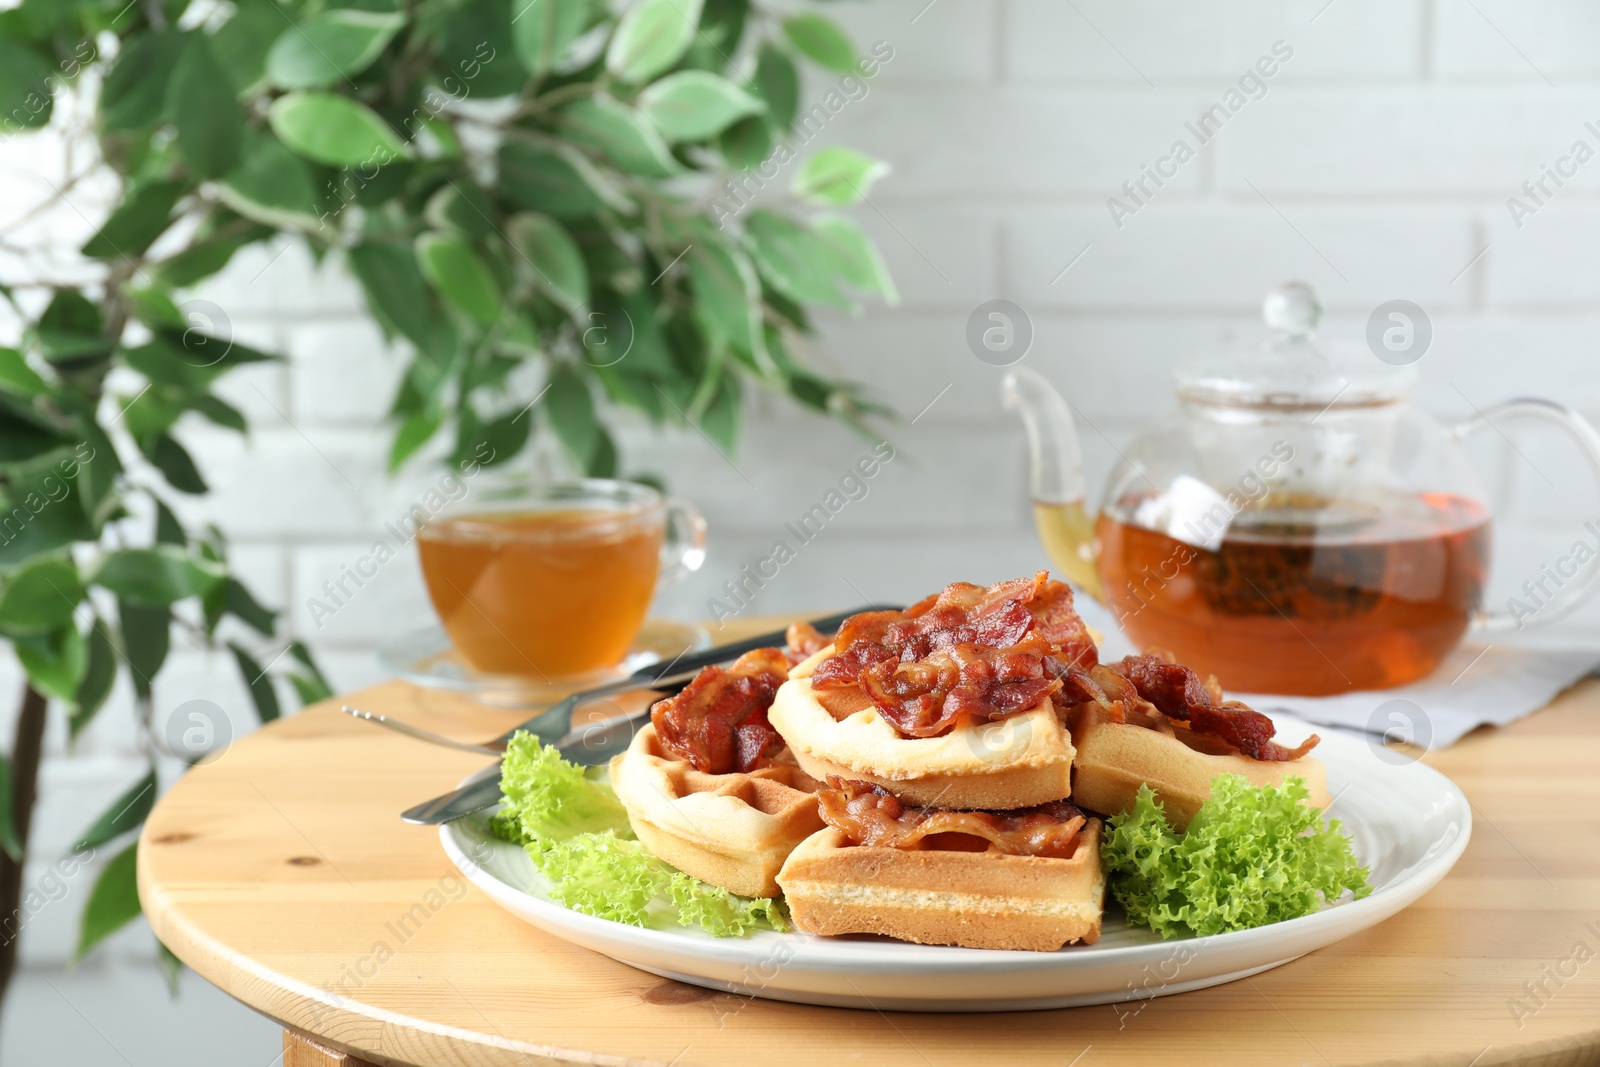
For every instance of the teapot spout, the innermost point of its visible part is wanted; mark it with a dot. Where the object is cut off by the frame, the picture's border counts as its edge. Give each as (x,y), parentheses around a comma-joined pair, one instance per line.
(1055,479)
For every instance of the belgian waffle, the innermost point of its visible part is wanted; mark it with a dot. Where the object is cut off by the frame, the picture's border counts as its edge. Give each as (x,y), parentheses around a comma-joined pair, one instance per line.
(1016,762)
(1115,759)
(732,830)
(935,897)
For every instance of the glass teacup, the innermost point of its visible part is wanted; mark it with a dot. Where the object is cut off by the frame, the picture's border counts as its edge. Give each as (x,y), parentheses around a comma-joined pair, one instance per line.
(553,581)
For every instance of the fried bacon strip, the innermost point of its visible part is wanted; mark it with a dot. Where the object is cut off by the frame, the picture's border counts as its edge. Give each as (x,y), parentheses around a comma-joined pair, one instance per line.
(1180,695)
(718,722)
(870,815)
(803,641)
(969,654)
(960,684)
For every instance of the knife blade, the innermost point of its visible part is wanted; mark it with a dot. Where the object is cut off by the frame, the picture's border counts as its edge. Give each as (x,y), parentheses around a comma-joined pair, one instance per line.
(597,743)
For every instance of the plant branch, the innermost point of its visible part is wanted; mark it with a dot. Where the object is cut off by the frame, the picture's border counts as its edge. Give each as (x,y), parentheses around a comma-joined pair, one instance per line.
(24,781)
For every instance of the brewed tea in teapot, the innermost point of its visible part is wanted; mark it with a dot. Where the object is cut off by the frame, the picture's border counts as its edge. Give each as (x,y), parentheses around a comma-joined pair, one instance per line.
(1298,528)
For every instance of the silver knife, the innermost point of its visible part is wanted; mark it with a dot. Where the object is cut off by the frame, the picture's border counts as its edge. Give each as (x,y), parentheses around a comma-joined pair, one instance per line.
(597,743)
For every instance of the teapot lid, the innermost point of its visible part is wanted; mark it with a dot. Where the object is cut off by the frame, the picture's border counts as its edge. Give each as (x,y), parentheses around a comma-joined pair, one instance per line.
(1289,371)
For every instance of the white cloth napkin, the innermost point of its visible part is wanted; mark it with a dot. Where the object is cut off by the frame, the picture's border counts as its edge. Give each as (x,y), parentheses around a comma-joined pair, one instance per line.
(1477,684)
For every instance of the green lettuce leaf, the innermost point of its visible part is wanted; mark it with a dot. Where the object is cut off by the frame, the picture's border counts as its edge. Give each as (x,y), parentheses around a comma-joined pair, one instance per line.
(576,832)
(1251,856)
(553,798)
(721,912)
(603,874)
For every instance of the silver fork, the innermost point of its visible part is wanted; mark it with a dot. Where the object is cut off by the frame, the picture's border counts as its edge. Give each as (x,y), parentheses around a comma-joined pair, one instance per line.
(422,735)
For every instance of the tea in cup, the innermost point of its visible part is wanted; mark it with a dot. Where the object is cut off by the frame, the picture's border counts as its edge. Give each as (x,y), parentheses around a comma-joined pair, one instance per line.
(553,581)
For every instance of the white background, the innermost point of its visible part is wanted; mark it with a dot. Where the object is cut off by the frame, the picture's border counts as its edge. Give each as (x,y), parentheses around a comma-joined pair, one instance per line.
(1377,166)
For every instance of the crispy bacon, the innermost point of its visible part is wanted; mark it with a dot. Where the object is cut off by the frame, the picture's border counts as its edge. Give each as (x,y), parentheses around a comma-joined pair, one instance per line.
(718,722)
(1178,693)
(967,654)
(867,814)
(963,684)
(803,641)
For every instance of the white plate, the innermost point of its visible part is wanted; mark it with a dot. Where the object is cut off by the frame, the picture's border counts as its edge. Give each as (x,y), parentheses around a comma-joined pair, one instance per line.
(426,657)
(1409,824)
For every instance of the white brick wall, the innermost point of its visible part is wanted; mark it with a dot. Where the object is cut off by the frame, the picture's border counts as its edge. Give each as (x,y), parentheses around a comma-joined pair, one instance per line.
(1376,165)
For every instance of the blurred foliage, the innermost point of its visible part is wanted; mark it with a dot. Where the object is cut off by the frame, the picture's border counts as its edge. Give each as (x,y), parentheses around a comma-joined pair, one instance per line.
(547,199)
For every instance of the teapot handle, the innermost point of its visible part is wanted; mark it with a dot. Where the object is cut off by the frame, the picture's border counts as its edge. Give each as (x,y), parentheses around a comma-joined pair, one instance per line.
(1582,584)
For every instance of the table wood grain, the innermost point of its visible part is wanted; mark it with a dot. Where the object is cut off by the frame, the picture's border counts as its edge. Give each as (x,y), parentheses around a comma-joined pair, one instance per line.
(281,872)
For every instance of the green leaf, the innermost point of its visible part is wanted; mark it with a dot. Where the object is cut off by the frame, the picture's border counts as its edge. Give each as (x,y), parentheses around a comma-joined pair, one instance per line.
(396,291)
(457,274)
(571,412)
(27,87)
(822,42)
(126,813)
(476,48)
(8,825)
(153,306)
(747,143)
(505,437)
(272,186)
(210,123)
(175,464)
(188,359)
(558,269)
(155,577)
(145,212)
(262,694)
(55,662)
(98,676)
(146,637)
(727,294)
(651,37)
(135,92)
(838,175)
(222,413)
(722,25)
(855,258)
(114,901)
(241,45)
(603,460)
(309,683)
(239,602)
(331,48)
(693,105)
(794,260)
(40,595)
(205,257)
(721,418)
(542,30)
(70,328)
(621,133)
(17,376)
(415,432)
(335,130)
(537,178)
(42,511)
(777,82)
(461,206)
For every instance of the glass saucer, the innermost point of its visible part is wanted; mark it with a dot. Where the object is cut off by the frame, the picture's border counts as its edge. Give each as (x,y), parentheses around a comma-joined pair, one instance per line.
(426,657)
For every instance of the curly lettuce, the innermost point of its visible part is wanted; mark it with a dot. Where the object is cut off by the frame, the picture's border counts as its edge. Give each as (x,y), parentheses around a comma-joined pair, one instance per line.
(551,797)
(1252,855)
(576,832)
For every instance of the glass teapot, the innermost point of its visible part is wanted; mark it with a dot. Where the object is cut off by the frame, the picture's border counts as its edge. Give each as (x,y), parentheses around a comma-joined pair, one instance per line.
(1299,527)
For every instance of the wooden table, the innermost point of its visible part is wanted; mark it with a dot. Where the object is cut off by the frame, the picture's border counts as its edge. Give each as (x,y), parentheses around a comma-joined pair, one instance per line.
(281,871)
